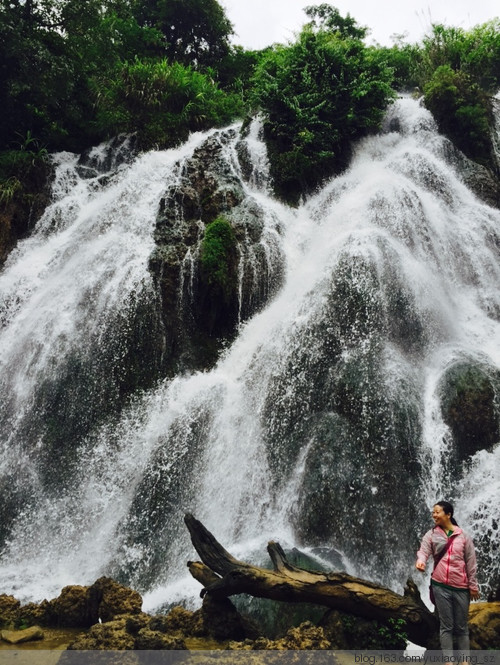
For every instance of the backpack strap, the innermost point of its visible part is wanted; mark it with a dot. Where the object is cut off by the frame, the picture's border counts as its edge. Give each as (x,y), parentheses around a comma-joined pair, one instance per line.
(438,557)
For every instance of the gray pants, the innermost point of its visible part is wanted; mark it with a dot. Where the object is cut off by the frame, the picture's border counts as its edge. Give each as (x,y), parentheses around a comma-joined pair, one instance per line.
(453,610)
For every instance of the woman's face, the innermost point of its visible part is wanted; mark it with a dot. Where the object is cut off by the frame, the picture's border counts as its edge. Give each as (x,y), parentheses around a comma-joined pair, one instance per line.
(439,516)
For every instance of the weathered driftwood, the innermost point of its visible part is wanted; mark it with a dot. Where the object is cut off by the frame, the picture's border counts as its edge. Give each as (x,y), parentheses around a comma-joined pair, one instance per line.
(222,575)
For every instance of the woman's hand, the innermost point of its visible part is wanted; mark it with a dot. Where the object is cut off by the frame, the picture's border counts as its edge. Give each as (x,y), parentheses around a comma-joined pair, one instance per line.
(474,595)
(420,565)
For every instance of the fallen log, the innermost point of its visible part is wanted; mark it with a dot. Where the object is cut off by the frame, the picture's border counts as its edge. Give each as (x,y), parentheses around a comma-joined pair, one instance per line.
(222,575)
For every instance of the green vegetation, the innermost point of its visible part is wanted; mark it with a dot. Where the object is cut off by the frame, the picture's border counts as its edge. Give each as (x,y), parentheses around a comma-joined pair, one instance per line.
(393,634)
(21,171)
(75,72)
(458,71)
(194,31)
(66,63)
(163,102)
(461,110)
(366,634)
(318,94)
(218,249)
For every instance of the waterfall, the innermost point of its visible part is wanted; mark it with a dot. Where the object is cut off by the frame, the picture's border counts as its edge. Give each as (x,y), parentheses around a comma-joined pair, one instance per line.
(334,418)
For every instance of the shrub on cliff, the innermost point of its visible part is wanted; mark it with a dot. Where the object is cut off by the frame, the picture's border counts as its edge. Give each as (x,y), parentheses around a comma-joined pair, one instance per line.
(163,102)
(474,52)
(462,111)
(458,70)
(318,94)
(217,255)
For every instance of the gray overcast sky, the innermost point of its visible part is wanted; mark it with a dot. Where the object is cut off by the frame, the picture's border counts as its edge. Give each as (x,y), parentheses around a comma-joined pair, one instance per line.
(260,23)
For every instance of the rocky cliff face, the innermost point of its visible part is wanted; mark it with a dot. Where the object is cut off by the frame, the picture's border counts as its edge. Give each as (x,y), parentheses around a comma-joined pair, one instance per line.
(198,314)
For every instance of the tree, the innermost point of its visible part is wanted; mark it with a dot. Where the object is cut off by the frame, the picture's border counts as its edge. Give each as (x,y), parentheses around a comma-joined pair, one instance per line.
(196,31)
(462,111)
(37,78)
(458,71)
(49,53)
(318,94)
(326,17)
(222,575)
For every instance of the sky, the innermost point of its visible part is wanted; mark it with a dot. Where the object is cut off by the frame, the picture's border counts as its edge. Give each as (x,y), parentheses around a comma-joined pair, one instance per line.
(260,23)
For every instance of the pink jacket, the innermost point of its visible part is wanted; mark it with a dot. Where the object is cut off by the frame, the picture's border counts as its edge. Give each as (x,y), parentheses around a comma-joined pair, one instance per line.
(457,567)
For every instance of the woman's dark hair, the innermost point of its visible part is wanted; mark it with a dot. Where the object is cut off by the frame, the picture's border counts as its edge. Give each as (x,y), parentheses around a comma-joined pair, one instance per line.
(448,509)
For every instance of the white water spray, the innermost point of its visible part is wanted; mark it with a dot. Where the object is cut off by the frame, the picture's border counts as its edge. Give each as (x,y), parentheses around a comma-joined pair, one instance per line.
(402,230)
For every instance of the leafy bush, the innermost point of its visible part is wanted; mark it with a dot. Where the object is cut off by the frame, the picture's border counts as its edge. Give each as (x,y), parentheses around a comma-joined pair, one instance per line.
(196,32)
(372,634)
(393,634)
(462,111)
(483,55)
(318,94)
(162,102)
(475,52)
(49,51)
(403,60)
(217,257)
(235,71)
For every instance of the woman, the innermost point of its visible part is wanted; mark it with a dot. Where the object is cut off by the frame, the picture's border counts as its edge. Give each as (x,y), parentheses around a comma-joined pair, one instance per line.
(453,580)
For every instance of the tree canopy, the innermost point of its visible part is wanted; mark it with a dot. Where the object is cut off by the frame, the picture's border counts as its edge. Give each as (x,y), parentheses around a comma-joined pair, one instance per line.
(318,94)
(195,31)
(75,72)
(327,17)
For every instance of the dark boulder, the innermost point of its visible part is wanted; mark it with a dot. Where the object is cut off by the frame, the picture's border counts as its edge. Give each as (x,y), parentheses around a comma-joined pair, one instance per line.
(469,407)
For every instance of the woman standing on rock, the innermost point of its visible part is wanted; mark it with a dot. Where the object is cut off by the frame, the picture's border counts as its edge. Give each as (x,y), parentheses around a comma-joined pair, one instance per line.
(453,580)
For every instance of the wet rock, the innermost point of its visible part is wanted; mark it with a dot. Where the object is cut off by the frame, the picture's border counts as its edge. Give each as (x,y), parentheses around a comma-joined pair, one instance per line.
(331,556)
(107,157)
(36,613)
(9,610)
(76,606)
(468,407)
(306,637)
(197,315)
(19,214)
(70,608)
(180,621)
(480,179)
(105,636)
(79,606)
(484,625)
(109,599)
(222,621)
(19,636)
(136,622)
(334,628)
(154,639)
(351,430)
(494,595)
(128,632)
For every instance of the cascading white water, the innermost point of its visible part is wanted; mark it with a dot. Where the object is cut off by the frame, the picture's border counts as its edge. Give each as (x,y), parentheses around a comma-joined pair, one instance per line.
(392,278)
